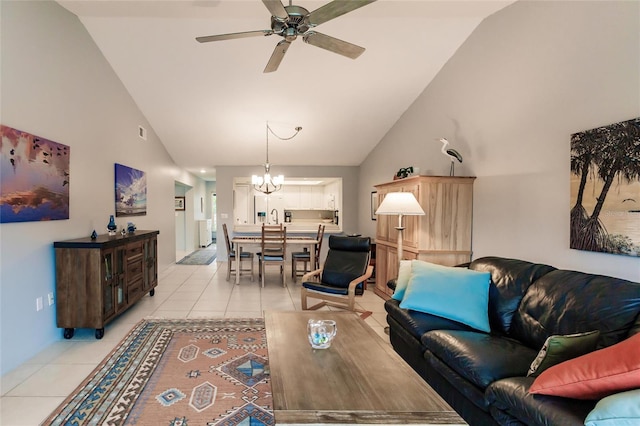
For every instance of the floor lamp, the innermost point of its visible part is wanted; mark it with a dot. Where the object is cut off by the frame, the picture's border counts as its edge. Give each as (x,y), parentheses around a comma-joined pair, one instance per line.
(401,204)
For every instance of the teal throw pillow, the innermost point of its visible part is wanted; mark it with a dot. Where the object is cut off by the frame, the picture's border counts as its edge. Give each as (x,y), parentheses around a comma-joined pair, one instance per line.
(458,294)
(557,349)
(619,409)
(404,274)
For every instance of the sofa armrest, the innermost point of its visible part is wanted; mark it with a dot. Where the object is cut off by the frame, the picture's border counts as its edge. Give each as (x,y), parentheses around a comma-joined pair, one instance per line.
(392,283)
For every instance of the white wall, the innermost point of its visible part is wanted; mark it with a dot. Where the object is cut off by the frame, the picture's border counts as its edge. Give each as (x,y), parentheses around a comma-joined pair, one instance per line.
(56,84)
(508,100)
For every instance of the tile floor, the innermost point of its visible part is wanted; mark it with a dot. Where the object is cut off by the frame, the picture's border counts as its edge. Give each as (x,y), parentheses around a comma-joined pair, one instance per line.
(33,390)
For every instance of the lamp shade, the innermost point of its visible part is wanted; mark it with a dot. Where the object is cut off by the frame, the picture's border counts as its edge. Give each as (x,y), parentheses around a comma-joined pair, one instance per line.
(403,203)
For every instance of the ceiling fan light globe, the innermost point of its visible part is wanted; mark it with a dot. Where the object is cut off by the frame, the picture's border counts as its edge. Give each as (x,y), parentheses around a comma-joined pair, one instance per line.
(290,34)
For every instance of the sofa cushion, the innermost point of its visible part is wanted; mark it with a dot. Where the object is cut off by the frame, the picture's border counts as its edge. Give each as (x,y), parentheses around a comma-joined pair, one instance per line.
(594,375)
(620,409)
(510,279)
(567,302)
(455,293)
(404,273)
(557,349)
(510,395)
(418,323)
(478,357)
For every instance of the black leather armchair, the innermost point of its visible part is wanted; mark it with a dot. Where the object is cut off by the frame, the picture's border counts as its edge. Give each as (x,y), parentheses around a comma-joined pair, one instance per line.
(343,275)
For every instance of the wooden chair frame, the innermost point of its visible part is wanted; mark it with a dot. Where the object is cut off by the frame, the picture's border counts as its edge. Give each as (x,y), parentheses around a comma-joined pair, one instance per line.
(274,242)
(232,255)
(305,261)
(347,302)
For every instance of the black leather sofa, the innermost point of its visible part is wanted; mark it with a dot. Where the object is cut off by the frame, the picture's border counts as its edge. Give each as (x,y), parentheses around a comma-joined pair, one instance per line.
(483,376)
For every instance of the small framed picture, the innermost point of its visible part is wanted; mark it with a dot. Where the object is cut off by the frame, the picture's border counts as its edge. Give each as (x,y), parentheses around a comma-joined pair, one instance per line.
(179,203)
(374,204)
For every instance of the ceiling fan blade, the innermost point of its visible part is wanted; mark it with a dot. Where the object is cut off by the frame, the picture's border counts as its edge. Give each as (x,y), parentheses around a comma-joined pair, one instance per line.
(277,9)
(333,10)
(333,44)
(231,36)
(276,56)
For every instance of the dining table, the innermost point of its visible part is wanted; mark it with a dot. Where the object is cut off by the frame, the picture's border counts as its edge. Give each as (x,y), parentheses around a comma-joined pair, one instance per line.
(241,242)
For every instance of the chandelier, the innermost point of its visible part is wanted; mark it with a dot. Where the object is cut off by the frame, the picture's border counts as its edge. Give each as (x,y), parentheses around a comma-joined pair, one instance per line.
(268,184)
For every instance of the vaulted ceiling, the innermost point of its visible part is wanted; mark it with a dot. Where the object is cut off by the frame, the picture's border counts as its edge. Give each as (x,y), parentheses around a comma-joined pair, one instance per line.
(209,102)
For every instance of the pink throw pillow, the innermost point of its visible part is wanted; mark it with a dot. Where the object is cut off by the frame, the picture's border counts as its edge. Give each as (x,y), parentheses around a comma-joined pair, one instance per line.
(594,375)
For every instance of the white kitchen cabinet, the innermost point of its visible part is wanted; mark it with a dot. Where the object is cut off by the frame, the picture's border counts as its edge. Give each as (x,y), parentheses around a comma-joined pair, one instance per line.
(317,197)
(311,198)
(291,194)
(305,198)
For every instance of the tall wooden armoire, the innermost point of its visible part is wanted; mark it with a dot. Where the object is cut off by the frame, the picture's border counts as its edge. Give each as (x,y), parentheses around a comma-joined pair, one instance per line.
(442,235)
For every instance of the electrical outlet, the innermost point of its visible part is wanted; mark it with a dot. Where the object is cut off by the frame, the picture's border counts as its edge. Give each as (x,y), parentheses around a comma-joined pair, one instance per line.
(39,304)
(50,296)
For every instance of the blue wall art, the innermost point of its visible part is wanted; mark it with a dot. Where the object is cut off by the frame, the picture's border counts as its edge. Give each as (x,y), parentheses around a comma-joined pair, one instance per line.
(34,177)
(131,191)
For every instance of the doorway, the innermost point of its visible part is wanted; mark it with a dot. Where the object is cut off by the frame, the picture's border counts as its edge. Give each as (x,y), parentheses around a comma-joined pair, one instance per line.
(214,216)
(181,222)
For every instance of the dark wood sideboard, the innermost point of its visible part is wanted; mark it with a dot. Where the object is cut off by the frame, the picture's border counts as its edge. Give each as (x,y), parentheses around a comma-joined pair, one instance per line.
(96,280)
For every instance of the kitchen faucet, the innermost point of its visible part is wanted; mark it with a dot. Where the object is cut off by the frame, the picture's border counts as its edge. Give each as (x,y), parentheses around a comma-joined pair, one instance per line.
(276,212)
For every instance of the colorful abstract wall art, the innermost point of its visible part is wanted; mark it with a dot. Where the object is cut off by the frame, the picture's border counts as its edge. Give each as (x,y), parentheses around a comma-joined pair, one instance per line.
(605,189)
(131,191)
(34,177)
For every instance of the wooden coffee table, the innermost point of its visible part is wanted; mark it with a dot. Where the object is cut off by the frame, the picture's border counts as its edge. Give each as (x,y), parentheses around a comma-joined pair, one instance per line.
(359,379)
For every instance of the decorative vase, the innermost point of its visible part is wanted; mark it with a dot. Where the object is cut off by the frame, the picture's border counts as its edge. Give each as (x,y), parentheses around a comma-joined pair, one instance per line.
(94,235)
(321,333)
(112,227)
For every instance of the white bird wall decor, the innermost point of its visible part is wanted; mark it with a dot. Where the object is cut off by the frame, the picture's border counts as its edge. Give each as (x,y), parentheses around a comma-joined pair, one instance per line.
(451,153)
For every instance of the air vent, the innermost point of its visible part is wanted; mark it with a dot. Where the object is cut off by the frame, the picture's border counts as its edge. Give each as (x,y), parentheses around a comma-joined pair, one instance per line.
(142,133)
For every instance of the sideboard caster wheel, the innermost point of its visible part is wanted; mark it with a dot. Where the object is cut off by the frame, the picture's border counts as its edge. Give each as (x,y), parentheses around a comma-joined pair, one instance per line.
(152,292)
(68,333)
(99,333)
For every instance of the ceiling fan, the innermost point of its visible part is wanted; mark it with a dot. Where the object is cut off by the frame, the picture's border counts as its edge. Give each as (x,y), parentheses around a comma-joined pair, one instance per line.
(292,21)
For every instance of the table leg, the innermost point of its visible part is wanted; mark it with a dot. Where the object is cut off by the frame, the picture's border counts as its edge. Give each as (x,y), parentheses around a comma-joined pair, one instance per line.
(312,257)
(238,264)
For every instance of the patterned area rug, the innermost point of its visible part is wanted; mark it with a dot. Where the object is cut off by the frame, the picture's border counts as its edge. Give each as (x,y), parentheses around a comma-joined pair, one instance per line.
(183,372)
(199,257)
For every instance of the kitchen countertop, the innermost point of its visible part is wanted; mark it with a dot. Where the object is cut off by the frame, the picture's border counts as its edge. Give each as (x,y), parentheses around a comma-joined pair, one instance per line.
(292,227)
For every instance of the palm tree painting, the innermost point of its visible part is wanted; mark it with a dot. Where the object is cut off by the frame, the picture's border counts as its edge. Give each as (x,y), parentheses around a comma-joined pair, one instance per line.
(605,189)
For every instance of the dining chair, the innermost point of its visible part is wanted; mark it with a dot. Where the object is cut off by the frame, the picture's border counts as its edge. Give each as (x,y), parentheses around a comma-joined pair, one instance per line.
(305,257)
(273,250)
(233,256)
(342,276)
